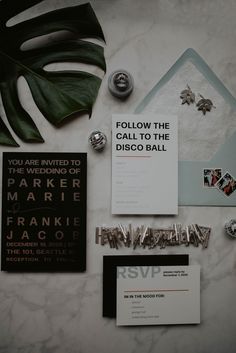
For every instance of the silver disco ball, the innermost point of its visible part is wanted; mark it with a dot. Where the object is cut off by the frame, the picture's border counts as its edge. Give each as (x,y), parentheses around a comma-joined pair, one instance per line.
(230,228)
(97,140)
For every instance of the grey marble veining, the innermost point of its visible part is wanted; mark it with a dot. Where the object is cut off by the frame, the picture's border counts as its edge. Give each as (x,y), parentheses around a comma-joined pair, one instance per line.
(62,313)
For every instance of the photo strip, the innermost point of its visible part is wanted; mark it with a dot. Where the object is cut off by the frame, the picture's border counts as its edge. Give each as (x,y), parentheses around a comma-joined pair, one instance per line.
(227,184)
(211,176)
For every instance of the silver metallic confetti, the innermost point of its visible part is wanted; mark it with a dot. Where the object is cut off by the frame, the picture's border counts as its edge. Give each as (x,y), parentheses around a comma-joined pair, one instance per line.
(142,236)
(205,105)
(187,96)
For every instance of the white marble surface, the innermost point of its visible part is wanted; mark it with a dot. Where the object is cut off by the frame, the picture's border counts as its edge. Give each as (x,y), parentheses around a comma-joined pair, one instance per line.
(62,313)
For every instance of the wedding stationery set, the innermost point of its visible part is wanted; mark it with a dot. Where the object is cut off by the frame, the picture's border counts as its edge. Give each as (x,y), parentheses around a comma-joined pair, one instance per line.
(176,149)
(189,160)
(151,290)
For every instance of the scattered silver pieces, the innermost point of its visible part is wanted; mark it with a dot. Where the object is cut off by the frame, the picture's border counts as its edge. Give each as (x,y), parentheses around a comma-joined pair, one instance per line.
(97,140)
(230,228)
(187,96)
(205,105)
(120,84)
(147,237)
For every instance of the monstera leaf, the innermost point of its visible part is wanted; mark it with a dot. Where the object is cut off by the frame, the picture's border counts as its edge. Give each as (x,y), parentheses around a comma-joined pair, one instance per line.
(57,94)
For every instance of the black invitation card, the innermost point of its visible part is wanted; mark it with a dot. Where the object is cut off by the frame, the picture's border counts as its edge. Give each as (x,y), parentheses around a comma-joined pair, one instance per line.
(44,212)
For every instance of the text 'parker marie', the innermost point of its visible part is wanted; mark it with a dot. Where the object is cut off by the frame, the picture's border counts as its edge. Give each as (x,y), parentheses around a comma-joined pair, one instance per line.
(48,183)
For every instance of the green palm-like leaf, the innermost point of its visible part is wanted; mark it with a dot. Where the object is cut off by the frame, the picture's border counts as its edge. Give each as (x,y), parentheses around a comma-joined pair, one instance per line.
(57,94)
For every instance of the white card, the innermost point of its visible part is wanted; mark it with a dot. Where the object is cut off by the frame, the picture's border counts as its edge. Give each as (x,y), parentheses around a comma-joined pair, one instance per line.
(144,164)
(158,295)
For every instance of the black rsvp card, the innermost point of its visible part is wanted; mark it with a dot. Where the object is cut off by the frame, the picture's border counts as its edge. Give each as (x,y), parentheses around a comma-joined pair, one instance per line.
(110,264)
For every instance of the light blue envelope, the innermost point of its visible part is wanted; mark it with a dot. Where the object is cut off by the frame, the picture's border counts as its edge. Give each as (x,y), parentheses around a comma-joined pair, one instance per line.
(206,142)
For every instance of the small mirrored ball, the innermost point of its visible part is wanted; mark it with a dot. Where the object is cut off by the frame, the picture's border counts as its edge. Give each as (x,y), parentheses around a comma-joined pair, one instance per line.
(97,140)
